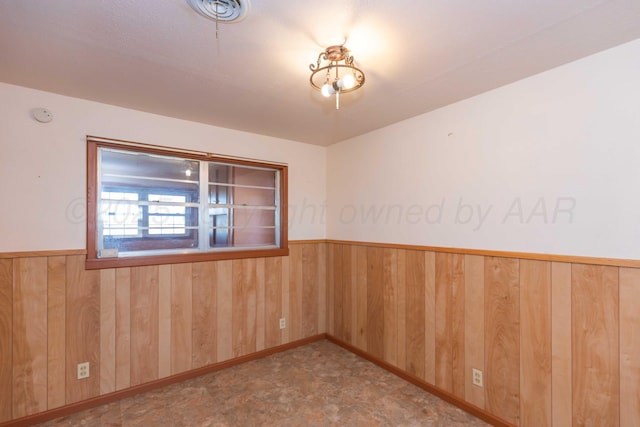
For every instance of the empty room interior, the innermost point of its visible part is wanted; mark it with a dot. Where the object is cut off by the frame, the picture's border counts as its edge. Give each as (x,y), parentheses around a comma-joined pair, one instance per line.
(440,190)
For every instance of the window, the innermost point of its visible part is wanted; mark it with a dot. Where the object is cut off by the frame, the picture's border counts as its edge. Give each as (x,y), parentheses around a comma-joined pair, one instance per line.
(149,206)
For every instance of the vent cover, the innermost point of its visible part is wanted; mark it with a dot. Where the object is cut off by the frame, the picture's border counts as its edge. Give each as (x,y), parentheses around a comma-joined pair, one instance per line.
(221,10)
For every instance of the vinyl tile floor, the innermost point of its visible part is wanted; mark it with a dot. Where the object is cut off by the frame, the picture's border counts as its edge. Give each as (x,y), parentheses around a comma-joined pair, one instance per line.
(319,384)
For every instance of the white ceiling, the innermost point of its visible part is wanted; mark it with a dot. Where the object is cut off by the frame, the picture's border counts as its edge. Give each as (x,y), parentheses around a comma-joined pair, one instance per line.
(162,57)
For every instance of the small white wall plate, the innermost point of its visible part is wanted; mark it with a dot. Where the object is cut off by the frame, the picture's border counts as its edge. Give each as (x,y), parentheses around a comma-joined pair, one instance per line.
(42,115)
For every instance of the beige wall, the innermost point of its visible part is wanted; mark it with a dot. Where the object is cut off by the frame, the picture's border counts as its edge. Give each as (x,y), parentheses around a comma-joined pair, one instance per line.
(42,166)
(490,172)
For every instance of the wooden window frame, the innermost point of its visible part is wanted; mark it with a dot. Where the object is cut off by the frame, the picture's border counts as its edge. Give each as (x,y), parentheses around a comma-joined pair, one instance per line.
(95,262)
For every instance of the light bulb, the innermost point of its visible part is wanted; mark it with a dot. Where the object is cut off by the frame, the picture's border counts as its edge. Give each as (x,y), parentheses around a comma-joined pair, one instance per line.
(348,81)
(187,172)
(327,90)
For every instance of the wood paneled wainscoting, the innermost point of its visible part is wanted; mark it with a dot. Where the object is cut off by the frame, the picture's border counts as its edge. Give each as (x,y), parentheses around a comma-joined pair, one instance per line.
(557,338)
(138,325)
(558,341)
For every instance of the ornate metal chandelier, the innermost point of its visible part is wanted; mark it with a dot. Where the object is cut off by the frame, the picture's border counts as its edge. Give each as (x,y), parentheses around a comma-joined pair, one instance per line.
(335,73)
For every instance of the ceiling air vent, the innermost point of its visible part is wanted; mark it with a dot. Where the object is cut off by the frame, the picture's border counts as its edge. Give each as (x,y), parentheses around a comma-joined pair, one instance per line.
(221,10)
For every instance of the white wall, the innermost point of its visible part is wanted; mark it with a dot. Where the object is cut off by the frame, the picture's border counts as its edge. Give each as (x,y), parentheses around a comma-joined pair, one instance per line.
(490,172)
(43,166)
(549,164)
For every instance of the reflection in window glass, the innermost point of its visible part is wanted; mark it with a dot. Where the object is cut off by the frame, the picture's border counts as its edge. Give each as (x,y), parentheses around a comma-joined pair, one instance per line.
(119,216)
(166,219)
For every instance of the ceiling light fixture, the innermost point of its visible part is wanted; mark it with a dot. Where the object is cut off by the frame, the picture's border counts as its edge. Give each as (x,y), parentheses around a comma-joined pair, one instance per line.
(335,73)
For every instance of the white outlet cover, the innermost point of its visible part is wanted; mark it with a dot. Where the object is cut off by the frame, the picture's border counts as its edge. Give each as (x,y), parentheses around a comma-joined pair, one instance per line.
(477,378)
(83,370)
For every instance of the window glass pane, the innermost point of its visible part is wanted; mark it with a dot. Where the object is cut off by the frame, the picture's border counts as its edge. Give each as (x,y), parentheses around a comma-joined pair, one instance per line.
(220,232)
(247,200)
(220,173)
(161,232)
(119,216)
(250,217)
(149,171)
(166,218)
(254,177)
(254,237)
(254,197)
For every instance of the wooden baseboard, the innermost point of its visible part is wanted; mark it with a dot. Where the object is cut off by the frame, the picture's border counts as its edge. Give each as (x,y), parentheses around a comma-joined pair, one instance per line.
(448,397)
(131,391)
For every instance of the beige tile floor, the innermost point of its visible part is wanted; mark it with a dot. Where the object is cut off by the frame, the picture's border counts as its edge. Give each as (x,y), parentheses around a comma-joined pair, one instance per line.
(319,384)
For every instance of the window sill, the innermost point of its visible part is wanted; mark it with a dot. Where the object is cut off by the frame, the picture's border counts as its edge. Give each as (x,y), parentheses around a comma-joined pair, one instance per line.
(100,263)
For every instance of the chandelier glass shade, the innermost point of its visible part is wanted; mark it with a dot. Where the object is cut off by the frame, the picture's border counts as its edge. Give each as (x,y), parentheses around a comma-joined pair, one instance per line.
(335,73)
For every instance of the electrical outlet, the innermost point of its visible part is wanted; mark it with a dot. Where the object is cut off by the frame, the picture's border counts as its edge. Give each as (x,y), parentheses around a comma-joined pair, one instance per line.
(83,370)
(477,377)
(283,323)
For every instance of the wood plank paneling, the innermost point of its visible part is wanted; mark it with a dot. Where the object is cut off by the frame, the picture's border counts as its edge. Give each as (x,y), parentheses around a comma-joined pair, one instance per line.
(345,294)
(294,322)
(596,358)
(244,307)
(128,323)
(415,312)
(82,329)
(6,338)
(273,301)
(390,304)
(561,381)
(224,310)
(204,314)
(401,309)
(164,320)
(310,286)
(576,259)
(144,324)
(284,333)
(259,285)
(322,287)
(331,283)
(360,285)
(430,317)
(353,297)
(56,309)
(123,328)
(502,338)
(107,331)
(629,347)
(117,314)
(535,343)
(473,326)
(337,264)
(450,323)
(375,302)
(29,336)
(181,318)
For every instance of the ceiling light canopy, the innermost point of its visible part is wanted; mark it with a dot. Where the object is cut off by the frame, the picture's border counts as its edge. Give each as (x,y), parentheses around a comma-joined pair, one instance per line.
(221,10)
(335,73)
